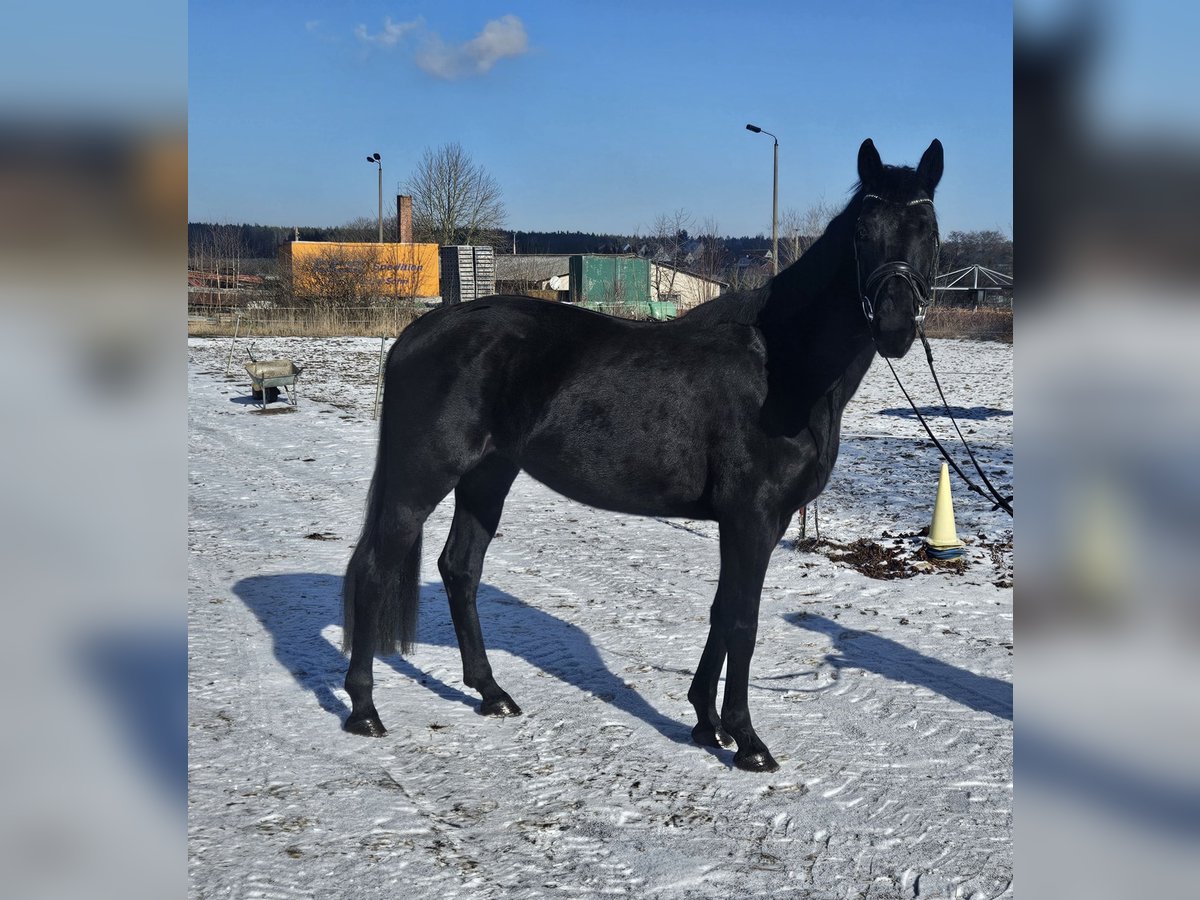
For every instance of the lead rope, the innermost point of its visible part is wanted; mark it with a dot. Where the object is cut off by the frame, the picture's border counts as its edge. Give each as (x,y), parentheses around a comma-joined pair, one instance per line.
(1001,502)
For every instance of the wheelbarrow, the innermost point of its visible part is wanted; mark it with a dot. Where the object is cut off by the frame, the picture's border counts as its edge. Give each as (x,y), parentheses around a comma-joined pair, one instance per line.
(269,375)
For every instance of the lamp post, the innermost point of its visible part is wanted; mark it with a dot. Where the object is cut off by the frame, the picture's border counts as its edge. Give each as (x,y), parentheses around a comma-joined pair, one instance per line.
(774,202)
(375,158)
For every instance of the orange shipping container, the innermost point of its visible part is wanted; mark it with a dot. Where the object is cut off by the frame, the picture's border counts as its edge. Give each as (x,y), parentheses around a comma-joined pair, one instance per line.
(384,270)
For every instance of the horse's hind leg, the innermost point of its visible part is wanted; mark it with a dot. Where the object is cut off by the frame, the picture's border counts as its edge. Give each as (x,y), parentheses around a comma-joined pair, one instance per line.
(382,590)
(478,502)
(703,692)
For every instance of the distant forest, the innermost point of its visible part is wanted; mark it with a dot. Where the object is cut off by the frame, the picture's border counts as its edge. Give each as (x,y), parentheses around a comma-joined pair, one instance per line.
(260,242)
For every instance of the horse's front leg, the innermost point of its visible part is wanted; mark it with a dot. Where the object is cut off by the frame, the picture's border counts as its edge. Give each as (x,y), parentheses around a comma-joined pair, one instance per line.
(745,551)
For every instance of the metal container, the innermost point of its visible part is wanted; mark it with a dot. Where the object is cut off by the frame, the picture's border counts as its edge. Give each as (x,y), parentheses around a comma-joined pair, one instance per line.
(468,273)
(610,282)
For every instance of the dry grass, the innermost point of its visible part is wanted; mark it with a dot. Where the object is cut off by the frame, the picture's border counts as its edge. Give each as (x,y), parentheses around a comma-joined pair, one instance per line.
(942,322)
(300,322)
(970,324)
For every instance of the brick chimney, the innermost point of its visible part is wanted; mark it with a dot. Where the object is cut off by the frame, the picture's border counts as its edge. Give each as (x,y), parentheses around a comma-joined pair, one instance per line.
(404,218)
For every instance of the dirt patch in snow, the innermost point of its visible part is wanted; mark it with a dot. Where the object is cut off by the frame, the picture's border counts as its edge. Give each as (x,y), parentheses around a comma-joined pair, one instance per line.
(866,556)
(886,562)
(322,536)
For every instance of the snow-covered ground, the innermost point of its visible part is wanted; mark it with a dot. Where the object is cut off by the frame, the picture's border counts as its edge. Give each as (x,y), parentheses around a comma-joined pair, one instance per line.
(888,704)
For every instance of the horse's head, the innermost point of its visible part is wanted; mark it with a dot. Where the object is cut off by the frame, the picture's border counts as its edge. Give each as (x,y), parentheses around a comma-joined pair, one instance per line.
(896,245)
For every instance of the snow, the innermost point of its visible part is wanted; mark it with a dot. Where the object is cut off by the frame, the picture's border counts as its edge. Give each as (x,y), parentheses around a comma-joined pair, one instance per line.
(888,704)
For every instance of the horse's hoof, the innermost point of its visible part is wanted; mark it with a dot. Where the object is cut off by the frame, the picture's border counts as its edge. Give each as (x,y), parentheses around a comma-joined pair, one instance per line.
(758,761)
(366,725)
(707,736)
(500,708)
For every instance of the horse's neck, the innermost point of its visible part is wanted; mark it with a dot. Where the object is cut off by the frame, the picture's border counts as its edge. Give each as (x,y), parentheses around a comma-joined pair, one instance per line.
(818,342)
(833,357)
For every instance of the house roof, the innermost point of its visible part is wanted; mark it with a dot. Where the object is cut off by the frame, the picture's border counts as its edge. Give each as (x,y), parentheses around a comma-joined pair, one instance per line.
(690,272)
(531,266)
(974,278)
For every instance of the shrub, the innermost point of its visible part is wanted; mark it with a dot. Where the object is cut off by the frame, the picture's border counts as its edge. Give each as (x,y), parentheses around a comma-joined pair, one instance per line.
(970,324)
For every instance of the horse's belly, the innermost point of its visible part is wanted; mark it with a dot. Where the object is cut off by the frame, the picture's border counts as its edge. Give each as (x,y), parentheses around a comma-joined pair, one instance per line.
(635,436)
(619,480)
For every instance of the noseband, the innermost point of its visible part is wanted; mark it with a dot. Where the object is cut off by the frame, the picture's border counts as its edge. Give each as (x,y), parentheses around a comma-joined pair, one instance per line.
(896,268)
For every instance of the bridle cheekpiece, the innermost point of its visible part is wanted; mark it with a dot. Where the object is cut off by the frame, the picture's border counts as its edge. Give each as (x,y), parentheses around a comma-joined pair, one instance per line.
(919,284)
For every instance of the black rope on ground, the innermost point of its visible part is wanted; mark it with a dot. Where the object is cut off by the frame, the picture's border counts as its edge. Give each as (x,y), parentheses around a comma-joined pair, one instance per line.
(1000,502)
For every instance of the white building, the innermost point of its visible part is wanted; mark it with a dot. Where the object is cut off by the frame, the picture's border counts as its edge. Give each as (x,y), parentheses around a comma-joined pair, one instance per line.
(685,289)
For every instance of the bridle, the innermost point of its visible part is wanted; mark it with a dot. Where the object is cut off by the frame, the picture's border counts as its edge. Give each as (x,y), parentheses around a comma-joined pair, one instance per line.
(920,285)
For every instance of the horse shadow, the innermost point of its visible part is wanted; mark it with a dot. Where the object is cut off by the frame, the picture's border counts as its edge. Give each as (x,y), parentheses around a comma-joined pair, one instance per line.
(892,660)
(296,608)
(143,675)
(977,413)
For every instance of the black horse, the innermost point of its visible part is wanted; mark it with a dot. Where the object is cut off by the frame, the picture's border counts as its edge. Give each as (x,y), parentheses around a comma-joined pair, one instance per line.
(730,413)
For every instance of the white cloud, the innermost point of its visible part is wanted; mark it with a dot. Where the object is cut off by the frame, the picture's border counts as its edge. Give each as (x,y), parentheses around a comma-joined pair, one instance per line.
(499,39)
(393,32)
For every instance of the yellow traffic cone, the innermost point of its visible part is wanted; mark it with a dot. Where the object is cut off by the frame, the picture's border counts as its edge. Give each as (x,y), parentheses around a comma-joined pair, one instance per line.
(943,539)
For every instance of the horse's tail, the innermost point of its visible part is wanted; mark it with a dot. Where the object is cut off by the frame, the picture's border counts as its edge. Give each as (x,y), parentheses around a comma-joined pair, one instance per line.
(383,579)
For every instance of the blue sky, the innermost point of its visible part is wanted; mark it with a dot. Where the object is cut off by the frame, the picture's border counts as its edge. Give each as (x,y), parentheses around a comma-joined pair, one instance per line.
(595,116)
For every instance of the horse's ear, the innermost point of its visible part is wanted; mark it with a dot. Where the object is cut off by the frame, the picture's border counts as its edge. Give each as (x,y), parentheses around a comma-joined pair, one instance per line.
(869,163)
(929,169)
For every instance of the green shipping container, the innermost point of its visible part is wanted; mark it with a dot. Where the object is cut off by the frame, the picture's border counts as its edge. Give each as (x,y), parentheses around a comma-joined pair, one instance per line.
(610,282)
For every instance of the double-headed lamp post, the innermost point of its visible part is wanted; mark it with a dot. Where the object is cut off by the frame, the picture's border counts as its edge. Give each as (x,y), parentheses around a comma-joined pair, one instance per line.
(774,202)
(375,158)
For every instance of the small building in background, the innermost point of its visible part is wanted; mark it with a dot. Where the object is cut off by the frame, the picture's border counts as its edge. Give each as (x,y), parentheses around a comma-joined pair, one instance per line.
(681,287)
(541,275)
(609,282)
(620,284)
(385,271)
(351,273)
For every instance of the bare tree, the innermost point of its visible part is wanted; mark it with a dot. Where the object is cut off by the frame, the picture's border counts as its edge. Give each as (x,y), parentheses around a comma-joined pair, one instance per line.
(339,278)
(799,230)
(668,236)
(711,258)
(200,251)
(359,230)
(218,259)
(406,280)
(280,283)
(749,277)
(455,201)
(985,248)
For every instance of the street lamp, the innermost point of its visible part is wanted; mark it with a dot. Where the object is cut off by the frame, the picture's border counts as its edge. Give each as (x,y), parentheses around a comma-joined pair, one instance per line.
(774,202)
(375,158)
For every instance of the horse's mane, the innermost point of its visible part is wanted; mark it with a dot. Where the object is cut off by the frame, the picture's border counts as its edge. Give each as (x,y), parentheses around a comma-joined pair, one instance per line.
(808,277)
